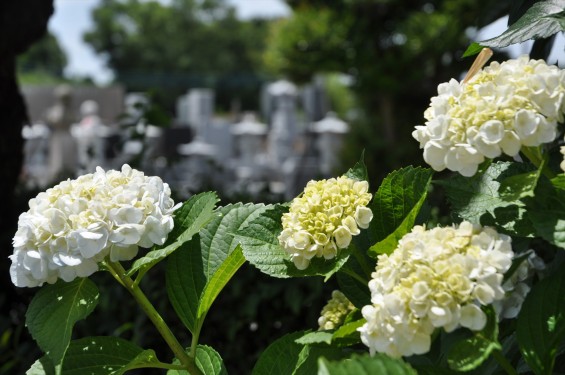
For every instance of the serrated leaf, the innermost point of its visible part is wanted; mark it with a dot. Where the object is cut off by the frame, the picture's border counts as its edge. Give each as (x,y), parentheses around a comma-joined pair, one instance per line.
(200,268)
(470,353)
(541,323)
(105,355)
(398,202)
(473,49)
(43,366)
(286,356)
(316,337)
(185,281)
(559,182)
(548,218)
(365,365)
(261,248)
(519,186)
(219,280)
(53,312)
(399,192)
(308,363)
(207,360)
(189,219)
(281,357)
(359,170)
(477,199)
(347,334)
(541,20)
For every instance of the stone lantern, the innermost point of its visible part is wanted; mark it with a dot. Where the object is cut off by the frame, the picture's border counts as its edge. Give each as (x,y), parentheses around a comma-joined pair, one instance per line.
(330,133)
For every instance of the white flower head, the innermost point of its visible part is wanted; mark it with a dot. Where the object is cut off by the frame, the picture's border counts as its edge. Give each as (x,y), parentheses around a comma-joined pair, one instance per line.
(436,278)
(71,227)
(502,108)
(324,219)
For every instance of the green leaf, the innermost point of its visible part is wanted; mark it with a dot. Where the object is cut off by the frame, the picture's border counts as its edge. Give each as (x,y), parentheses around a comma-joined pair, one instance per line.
(316,337)
(219,280)
(347,334)
(519,186)
(395,199)
(105,356)
(286,356)
(189,219)
(396,206)
(281,357)
(365,365)
(550,223)
(473,49)
(542,20)
(43,366)
(200,268)
(53,312)
(541,323)
(261,248)
(477,199)
(559,182)
(470,353)
(359,170)
(207,360)
(185,281)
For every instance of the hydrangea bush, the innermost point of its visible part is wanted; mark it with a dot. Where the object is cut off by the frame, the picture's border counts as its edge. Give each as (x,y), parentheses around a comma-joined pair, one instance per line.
(484,294)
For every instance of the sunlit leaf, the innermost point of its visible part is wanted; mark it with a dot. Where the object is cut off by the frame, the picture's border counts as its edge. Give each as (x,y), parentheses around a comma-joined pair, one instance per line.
(189,219)
(53,312)
(542,20)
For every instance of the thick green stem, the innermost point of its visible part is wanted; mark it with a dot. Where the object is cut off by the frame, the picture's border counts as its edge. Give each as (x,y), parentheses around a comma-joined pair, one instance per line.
(503,362)
(354,275)
(534,155)
(195,337)
(119,272)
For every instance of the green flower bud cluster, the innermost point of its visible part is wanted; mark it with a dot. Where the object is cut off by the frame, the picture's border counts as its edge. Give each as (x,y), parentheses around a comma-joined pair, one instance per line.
(335,311)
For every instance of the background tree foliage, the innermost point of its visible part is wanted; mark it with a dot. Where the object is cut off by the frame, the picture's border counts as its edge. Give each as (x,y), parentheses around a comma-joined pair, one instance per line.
(397,51)
(43,62)
(167,48)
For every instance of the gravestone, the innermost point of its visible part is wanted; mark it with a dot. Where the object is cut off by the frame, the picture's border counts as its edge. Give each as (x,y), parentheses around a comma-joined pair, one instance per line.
(330,133)
(62,145)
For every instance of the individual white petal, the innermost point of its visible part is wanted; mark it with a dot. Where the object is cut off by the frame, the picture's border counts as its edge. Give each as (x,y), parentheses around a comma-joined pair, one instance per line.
(472,317)
(122,253)
(363,216)
(510,143)
(434,155)
(342,237)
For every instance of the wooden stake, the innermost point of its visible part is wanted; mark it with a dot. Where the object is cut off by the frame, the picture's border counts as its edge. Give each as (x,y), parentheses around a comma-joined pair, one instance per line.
(480,61)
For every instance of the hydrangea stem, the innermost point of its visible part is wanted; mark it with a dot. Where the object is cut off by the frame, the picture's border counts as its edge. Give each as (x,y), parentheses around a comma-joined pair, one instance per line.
(503,362)
(118,271)
(534,155)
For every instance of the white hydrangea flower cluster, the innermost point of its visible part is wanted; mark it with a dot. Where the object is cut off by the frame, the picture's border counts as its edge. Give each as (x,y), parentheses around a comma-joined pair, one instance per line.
(435,278)
(502,108)
(324,218)
(517,287)
(71,227)
(335,311)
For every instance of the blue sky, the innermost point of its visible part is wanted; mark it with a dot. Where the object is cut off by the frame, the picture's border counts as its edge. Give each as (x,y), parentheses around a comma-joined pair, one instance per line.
(72,18)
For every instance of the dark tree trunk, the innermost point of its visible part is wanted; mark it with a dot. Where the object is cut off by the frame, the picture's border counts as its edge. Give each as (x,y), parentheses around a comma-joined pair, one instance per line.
(22,22)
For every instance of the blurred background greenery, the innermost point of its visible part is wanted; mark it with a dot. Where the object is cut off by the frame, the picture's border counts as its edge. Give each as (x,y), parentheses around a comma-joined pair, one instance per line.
(381,61)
